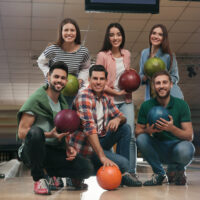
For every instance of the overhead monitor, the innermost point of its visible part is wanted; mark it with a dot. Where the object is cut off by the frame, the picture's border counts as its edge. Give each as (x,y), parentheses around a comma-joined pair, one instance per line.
(126,6)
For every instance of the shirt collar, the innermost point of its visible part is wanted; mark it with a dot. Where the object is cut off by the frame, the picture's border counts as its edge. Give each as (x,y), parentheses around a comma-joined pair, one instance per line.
(169,105)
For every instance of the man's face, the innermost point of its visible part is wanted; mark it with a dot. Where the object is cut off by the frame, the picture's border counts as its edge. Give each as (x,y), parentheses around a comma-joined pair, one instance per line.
(57,80)
(97,81)
(162,86)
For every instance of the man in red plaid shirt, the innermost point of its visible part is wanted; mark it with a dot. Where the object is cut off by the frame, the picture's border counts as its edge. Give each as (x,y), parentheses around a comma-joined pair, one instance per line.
(103,125)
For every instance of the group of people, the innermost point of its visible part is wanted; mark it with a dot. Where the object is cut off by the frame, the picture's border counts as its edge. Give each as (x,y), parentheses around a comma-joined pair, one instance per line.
(106,113)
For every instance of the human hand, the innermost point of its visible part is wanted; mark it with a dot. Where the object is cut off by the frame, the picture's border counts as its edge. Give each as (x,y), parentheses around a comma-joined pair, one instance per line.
(107,162)
(151,129)
(121,92)
(71,153)
(54,134)
(113,124)
(165,125)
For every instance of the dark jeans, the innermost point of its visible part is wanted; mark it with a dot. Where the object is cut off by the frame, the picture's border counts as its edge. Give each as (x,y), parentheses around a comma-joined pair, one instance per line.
(39,156)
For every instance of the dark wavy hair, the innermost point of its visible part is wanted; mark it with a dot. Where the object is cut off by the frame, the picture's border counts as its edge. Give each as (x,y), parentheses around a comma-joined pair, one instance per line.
(165,43)
(106,44)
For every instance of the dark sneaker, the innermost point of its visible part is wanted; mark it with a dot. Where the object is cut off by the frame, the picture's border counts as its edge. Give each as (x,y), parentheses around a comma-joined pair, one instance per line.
(55,183)
(130,180)
(42,187)
(77,184)
(157,179)
(180,178)
(171,176)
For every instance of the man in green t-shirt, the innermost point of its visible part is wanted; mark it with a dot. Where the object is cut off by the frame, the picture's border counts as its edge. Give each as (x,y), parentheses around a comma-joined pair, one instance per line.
(44,150)
(166,142)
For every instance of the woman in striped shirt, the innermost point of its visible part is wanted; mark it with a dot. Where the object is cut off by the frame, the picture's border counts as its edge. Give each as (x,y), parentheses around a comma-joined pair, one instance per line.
(68,49)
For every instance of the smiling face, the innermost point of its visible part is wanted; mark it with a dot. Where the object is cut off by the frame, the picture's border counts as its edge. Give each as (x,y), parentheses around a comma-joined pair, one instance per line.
(97,82)
(162,86)
(57,80)
(156,37)
(115,37)
(69,33)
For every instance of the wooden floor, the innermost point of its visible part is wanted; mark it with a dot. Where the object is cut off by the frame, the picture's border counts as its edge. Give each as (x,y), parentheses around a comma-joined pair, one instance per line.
(19,188)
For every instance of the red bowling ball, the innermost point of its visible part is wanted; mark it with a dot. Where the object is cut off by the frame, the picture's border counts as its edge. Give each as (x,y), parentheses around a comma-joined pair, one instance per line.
(67,120)
(129,81)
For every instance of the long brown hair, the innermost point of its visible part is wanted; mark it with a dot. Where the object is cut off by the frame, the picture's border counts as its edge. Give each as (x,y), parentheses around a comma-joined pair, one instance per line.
(60,39)
(165,43)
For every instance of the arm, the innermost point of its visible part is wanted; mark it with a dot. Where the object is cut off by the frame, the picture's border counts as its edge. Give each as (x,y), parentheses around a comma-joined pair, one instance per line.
(143,128)
(43,64)
(94,141)
(184,133)
(143,59)
(26,123)
(174,71)
(84,69)
(114,123)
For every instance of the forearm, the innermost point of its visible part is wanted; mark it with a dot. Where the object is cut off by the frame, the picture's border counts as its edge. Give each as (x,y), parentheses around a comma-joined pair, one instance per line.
(94,142)
(182,134)
(43,64)
(111,91)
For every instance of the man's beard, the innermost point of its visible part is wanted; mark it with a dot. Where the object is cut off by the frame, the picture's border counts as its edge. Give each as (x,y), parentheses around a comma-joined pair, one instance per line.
(163,97)
(54,88)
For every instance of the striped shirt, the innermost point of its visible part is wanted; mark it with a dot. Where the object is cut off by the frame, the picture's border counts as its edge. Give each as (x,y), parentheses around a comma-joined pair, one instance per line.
(78,62)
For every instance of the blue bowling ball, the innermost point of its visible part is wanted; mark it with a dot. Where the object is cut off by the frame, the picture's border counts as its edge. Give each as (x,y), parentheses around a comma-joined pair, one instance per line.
(156,113)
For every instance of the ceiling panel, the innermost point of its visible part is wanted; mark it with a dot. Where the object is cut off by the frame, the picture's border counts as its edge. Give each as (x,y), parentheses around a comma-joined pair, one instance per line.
(168,13)
(45,23)
(185,26)
(47,10)
(151,23)
(191,14)
(194,38)
(17,34)
(133,25)
(16,22)
(178,37)
(47,35)
(15,9)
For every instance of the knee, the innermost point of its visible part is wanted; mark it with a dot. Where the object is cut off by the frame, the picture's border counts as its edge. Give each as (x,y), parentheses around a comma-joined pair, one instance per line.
(126,130)
(184,151)
(142,140)
(35,135)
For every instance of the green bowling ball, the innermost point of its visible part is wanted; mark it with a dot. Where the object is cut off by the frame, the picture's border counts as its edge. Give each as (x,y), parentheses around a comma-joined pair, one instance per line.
(72,86)
(153,65)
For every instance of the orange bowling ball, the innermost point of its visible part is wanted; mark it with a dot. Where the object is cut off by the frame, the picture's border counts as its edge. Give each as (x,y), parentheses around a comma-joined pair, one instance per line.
(109,177)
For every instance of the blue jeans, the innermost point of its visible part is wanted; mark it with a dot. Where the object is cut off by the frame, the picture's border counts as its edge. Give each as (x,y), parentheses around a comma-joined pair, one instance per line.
(70,100)
(176,153)
(122,137)
(128,111)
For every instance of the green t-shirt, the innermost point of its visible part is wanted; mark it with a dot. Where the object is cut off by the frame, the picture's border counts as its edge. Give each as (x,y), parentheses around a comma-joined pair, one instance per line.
(177,108)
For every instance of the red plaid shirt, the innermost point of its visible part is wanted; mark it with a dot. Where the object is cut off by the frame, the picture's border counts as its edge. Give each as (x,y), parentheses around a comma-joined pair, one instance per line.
(85,105)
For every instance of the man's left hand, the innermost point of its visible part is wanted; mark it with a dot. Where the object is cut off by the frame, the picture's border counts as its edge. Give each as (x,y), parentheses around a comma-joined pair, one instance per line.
(113,124)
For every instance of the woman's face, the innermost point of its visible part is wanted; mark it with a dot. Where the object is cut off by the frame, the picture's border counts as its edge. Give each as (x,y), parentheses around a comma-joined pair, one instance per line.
(69,33)
(115,37)
(156,37)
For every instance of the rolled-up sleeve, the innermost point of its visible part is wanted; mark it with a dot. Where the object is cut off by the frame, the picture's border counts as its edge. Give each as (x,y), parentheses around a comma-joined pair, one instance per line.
(83,106)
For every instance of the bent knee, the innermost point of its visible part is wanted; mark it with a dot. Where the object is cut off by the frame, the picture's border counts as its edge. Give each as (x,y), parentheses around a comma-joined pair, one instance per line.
(184,150)
(35,134)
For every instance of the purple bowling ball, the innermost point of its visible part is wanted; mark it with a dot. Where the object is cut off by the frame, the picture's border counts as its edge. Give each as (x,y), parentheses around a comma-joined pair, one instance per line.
(67,120)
